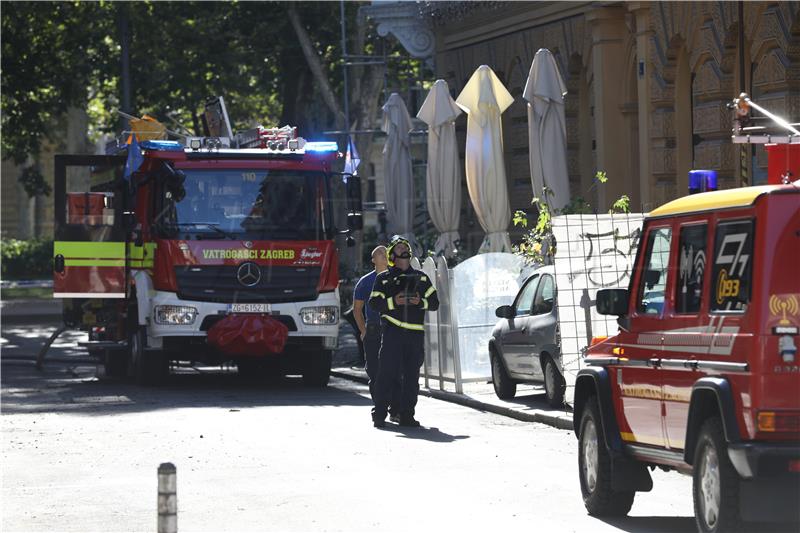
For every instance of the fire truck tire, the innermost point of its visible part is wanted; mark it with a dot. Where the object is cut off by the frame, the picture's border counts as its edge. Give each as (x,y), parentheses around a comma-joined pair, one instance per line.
(145,367)
(115,363)
(504,387)
(553,383)
(595,468)
(715,483)
(318,368)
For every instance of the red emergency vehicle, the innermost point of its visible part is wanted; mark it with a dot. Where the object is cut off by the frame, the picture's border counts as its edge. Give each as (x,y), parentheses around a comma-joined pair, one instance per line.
(703,376)
(205,251)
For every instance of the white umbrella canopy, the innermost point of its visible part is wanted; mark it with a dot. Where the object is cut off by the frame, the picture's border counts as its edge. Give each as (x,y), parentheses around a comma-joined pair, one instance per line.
(397,176)
(443,183)
(484,98)
(547,129)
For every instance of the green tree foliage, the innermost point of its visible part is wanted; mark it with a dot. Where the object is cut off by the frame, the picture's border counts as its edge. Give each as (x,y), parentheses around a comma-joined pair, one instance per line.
(50,52)
(61,54)
(536,245)
(26,259)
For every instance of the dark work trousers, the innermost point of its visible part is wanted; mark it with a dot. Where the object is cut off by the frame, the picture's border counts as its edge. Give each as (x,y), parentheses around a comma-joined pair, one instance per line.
(400,358)
(372,346)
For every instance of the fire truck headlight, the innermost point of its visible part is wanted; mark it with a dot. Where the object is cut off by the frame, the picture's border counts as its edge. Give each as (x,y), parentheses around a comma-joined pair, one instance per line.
(320,316)
(182,315)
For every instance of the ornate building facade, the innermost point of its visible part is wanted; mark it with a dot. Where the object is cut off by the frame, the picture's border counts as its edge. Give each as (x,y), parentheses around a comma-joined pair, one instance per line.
(648,84)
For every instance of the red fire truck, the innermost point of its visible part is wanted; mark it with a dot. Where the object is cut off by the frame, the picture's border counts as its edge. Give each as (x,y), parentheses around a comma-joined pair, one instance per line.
(214,250)
(703,376)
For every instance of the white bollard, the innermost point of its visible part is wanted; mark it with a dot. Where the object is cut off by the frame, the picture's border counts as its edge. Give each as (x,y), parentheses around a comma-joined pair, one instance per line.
(167,499)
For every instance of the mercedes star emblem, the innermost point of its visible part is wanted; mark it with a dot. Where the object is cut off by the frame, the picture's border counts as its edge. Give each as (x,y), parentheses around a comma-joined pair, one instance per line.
(248,274)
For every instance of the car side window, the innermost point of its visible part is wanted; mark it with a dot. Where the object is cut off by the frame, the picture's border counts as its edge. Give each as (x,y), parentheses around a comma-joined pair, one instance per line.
(653,280)
(525,299)
(545,296)
(733,266)
(691,268)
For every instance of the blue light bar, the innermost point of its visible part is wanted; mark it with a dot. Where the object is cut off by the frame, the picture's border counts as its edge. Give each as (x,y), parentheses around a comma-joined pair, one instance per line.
(321,146)
(162,146)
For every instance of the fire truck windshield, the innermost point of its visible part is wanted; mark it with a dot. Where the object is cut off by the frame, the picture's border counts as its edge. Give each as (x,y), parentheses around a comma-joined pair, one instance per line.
(248,203)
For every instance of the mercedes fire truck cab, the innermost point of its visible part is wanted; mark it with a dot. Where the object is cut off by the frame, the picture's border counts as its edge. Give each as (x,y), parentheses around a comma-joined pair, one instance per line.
(205,254)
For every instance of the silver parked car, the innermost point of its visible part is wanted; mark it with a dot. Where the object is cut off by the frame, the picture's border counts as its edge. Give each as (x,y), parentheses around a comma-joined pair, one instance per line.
(524,347)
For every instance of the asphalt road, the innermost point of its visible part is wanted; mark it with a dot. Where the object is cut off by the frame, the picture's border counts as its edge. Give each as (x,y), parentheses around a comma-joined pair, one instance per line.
(80,453)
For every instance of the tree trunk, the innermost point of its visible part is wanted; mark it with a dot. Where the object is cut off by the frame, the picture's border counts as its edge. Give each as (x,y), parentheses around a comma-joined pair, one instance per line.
(315,65)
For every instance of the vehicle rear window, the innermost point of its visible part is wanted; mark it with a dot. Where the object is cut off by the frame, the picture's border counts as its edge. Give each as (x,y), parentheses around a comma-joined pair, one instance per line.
(733,266)
(692,266)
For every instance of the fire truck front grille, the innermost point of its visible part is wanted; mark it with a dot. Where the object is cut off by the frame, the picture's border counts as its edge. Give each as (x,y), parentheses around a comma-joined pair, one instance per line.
(226,284)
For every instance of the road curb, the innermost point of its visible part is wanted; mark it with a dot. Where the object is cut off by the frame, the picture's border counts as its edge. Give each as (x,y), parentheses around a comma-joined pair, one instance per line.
(452,397)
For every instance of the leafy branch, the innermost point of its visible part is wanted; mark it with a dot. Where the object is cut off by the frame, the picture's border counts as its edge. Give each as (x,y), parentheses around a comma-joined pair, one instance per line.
(538,245)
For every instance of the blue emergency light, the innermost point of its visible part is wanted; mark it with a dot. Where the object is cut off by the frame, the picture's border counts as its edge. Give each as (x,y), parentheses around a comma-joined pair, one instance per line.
(321,146)
(162,146)
(702,181)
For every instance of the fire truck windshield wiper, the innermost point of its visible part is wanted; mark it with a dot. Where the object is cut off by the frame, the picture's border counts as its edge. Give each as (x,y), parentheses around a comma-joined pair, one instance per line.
(212,225)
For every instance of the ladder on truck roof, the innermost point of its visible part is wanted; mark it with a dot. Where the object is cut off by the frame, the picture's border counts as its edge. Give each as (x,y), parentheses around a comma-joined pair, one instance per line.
(746,131)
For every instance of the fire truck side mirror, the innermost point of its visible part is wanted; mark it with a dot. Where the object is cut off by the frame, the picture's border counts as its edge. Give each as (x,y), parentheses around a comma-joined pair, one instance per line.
(129,220)
(353,192)
(355,221)
(612,301)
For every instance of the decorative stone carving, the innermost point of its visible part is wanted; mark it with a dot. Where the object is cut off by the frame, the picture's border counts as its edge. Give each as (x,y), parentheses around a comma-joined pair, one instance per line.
(404,21)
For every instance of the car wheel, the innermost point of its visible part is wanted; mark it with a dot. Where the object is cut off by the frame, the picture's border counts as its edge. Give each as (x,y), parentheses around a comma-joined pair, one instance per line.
(553,383)
(595,468)
(318,369)
(504,386)
(145,367)
(115,363)
(715,483)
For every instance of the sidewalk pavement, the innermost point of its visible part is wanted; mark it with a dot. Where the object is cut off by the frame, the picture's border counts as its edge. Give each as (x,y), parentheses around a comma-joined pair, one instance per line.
(529,405)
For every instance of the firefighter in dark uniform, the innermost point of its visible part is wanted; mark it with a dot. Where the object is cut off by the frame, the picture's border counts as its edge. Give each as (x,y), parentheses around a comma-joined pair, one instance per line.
(401,295)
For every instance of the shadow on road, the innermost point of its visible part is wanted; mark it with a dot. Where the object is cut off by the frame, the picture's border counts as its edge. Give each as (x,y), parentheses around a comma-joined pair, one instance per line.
(652,524)
(425,433)
(72,383)
(76,389)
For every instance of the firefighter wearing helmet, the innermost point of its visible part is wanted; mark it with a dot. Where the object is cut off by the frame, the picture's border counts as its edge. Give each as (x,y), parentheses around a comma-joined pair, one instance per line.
(401,295)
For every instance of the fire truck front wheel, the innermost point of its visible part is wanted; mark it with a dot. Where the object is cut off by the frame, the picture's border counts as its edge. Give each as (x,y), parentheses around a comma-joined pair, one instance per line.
(145,367)
(116,363)
(317,372)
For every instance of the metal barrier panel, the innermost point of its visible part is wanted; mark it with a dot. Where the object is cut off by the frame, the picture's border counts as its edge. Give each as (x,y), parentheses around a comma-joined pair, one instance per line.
(431,363)
(480,285)
(593,252)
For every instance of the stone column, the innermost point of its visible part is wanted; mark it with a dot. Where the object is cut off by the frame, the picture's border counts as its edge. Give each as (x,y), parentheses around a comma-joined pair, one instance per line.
(641,11)
(608,31)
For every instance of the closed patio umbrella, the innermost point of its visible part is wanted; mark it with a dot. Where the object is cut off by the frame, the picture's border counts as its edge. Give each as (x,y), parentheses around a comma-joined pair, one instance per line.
(547,130)
(443,183)
(484,98)
(397,176)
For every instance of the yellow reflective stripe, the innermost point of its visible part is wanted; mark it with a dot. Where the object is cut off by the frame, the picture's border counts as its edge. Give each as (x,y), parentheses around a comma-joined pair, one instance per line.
(376,294)
(85,250)
(94,262)
(424,303)
(390,303)
(141,256)
(423,278)
(430,291)
(140,252)
(406,325)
